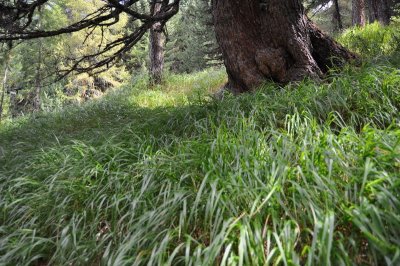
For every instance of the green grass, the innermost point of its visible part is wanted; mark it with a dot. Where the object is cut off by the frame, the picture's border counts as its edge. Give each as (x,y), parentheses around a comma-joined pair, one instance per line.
(306,174)
(373,40)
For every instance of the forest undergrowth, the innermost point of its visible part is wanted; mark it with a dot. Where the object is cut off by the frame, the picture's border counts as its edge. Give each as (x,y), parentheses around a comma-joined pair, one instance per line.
(306,174)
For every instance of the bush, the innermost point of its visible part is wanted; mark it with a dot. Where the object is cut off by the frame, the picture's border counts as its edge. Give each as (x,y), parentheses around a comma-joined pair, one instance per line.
(373,39)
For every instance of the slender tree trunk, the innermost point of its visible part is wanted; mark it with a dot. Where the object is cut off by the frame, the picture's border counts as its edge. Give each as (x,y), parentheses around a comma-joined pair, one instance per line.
(38,79)
(157,43)
(271,40)
(337,17)
(379,11)
(358,12)
(4,85)
(13,104)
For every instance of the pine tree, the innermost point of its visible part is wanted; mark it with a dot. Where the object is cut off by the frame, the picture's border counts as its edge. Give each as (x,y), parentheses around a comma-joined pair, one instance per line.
(198,49)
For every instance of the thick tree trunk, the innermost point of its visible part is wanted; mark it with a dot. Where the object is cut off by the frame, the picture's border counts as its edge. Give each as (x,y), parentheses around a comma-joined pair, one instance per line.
(379,11)
(337,17)
(358,12)
(157,43)
(273,40)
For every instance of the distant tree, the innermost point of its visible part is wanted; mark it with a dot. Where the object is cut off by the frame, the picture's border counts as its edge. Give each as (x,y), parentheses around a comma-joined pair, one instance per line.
(157,46)
(38,62)
(38,74)
(197,50)
(5,66)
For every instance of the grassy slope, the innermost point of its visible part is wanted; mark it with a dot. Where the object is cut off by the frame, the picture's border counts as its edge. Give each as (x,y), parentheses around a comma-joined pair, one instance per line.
(306,174)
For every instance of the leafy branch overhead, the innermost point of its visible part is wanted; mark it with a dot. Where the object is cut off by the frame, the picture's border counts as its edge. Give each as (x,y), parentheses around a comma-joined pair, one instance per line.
(18,21)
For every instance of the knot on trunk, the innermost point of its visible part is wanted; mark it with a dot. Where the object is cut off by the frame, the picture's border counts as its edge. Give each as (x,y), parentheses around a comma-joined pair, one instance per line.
(272,63)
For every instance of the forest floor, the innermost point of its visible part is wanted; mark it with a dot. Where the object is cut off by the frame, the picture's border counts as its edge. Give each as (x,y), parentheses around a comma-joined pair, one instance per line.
(302,174)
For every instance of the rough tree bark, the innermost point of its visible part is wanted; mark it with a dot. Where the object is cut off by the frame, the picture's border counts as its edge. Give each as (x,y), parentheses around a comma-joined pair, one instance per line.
(156,49)
(337,17)
(379,11)
(271,39)
(358,12)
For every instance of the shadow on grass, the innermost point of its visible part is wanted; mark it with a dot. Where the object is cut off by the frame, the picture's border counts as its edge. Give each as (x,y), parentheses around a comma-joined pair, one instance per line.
(96,124)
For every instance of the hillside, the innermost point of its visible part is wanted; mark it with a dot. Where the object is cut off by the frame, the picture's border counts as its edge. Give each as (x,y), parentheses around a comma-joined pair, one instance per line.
(302,174)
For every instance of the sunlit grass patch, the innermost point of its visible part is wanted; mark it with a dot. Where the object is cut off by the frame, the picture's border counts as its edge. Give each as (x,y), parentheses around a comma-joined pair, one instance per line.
(178,90)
